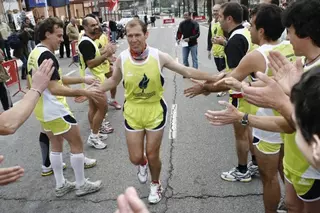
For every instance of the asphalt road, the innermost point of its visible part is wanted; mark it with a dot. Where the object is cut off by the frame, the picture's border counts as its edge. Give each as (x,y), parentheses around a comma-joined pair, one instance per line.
(193,154)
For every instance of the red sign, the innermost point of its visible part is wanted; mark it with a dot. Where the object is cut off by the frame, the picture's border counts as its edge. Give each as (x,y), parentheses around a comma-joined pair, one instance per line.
(74,48)
(12,69)
(113,4)
(168,21)
(199,18)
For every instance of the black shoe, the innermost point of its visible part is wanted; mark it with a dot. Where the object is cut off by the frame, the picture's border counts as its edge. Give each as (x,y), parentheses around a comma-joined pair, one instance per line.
(68,57)
(61,57)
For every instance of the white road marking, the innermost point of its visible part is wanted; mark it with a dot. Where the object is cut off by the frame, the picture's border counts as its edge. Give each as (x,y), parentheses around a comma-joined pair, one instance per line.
(173,122)
(71,72)
(162,27)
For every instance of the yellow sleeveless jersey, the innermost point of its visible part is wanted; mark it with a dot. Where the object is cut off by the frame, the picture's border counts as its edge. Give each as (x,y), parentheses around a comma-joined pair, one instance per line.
(217,49)
(143,82)
(49,107)
(293,159)
(102,42)
(97,71)
(286,49)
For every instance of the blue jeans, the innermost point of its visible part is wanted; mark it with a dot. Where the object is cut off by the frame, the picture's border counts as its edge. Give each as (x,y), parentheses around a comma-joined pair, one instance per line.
(194,55)
(114,36)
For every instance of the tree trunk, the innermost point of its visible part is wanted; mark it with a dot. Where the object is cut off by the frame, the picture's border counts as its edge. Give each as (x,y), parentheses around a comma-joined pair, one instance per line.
(245,2)
(188,5)
(195,7)
(209,10)
(184,6)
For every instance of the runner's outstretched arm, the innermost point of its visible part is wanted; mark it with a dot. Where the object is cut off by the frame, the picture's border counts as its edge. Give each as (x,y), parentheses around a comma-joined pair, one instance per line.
(168,62)
(115,79)
(13,118)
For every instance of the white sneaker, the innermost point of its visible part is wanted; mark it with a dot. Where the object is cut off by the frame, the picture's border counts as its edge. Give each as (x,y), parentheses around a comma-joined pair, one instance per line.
(254,170)
(46,171)
(88,187)
(66,188)
(96,143)
(89,163)
(143,173)
(235,175)
(103,136)
(155,195)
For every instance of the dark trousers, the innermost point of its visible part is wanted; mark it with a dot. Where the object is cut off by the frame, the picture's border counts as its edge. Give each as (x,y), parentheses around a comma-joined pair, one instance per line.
(5,96)
(220,63)
(24,60)
(67,45)
(7,48)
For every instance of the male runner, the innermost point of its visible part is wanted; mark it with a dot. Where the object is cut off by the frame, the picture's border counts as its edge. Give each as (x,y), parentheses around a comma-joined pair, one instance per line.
(91,57)
(145,111)
(46,168)
(239,43)
(214,32)
(102,41)
(302,179)
(265,31)
(54,114)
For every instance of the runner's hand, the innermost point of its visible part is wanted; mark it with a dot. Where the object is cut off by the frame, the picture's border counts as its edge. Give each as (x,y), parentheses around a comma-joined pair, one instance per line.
(110,50)
(93,92)
(41,77)
(230,82)
(287,74)
(219,40)
(223,117)
(129,202)
(90,80)
(266,96)
(195,90)
(11,174)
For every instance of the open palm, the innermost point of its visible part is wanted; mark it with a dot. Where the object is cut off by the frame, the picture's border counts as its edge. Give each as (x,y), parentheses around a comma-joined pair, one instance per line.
(287,74)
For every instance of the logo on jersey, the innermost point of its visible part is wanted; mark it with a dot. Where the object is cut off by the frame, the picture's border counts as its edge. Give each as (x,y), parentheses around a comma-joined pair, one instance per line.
(143,85)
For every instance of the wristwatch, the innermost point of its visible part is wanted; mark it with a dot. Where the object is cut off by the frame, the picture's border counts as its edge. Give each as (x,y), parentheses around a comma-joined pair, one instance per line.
(245,120)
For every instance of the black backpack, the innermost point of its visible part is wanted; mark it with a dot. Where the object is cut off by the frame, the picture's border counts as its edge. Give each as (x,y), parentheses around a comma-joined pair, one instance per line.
(14,41)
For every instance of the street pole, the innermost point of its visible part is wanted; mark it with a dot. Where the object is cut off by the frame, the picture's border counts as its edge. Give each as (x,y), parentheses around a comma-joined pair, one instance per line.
(46,13)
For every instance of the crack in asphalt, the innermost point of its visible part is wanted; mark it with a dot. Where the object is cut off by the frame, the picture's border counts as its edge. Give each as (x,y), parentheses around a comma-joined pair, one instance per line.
(169,188)
(175,197)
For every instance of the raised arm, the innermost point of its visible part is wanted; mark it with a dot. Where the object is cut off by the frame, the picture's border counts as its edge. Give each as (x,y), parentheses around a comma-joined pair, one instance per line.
(13,118)
(115,79)
(168,62)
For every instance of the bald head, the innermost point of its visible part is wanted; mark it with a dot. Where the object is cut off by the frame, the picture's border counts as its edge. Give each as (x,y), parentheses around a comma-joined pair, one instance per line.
(73,21)
(91,26)
(215,11)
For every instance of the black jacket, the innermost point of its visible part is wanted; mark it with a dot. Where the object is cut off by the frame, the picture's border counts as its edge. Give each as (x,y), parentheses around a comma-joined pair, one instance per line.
(113,25)
(189,29)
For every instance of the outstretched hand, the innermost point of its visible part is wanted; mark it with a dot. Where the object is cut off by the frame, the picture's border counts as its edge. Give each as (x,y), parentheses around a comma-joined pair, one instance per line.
(223,117)
(11,174)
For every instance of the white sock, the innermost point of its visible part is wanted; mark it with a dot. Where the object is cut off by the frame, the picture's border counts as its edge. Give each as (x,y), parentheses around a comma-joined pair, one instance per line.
(94,135)
(111,100)
(56,163)
(77,163)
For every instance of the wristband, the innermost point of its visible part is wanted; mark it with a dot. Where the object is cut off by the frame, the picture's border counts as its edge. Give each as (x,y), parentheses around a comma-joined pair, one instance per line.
(33,89)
